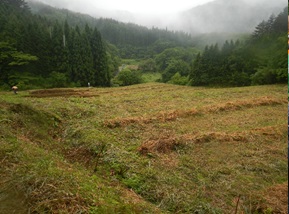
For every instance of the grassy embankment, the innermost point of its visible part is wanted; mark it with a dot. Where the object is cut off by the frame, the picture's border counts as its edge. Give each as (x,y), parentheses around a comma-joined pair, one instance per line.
(149,148)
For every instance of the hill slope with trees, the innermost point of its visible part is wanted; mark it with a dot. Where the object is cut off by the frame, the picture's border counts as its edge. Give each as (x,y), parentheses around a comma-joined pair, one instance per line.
(60,48)
(66,55)
(133,40)
(259,60)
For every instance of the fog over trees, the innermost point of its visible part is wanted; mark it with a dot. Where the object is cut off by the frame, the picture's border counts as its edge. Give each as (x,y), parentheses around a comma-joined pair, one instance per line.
(212,16)
(60,48)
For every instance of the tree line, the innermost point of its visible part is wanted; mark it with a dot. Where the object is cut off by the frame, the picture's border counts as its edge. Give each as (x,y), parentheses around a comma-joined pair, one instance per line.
(260,60)
(62,55)
(132,40)
(61,49)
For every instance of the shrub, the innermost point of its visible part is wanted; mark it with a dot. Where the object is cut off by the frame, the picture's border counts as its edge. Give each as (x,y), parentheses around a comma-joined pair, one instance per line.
(179,80)
(268,76)
(57,79)
(128,77)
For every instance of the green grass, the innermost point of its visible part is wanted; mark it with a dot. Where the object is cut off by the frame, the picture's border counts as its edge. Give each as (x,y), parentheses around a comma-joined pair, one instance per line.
(148,148)
(151,76)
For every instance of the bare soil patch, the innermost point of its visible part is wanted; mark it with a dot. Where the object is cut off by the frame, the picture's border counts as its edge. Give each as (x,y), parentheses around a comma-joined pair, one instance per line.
(62,93)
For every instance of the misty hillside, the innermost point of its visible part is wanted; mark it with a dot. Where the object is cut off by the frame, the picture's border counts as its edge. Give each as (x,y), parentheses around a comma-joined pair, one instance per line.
(228,16)
(112,30)
(56,45)
(224,16)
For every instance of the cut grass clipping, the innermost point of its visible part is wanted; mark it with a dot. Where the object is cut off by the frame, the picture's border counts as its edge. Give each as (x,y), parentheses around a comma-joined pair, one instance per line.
(148,148)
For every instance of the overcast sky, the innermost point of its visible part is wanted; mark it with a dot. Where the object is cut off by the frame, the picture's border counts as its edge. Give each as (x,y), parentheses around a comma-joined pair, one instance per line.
(149,13)
(155,7)
(148,6)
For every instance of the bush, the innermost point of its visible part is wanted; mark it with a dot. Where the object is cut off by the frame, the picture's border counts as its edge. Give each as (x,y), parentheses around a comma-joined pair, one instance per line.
(240,79)
(179,80)
(128,77)
(175,66)
(148,65)
(270,76)
(57,79)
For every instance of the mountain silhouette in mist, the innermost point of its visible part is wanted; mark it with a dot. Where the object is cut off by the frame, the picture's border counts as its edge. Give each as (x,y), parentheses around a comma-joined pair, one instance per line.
(219,16)
(228,16)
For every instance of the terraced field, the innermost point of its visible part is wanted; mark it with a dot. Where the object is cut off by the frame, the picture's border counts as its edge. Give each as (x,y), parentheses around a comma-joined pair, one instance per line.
(149,148)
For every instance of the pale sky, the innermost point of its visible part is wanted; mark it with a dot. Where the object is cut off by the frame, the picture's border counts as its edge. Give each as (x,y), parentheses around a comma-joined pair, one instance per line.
(149,13)
(135,6)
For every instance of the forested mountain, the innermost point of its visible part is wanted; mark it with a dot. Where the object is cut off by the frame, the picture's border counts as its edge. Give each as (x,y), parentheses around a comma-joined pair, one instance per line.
(66,54)
(57,48)
(133,40)
(260,60)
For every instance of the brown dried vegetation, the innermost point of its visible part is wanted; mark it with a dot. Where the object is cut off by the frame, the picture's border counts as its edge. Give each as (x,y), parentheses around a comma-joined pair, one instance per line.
(62,93)
(184,149)
(275,200)
(175,114)
(167,144)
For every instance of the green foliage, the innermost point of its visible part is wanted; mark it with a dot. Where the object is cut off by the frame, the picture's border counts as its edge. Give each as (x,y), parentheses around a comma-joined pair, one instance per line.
(26,81)
(175,66)
(148,65)
(268,76)
(57,80)
(16,5)
(128,77)
(135,182)
(239,79)
(177,79)
(9,58)
(151,76)
(251,62)
(161,45)
(133,41)
(113,58)
(73,45)
(163,59)
(175,60)
(77,53)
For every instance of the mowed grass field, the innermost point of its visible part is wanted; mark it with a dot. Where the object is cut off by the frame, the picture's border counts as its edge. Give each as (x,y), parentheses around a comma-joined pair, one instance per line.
(148,148)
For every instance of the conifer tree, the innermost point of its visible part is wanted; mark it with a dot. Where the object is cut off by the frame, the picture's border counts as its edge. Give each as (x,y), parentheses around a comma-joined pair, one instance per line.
(100,66)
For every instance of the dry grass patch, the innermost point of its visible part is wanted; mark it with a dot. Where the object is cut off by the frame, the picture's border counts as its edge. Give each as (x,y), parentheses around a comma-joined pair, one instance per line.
(48,199)
(183,149)
(163,144)
(273,199)
(231,106)
(173,115)
(80,154)
(277,198)
(167,143)
(160,117)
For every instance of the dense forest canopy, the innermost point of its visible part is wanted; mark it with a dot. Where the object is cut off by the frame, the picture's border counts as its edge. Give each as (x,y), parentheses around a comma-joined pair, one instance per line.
(48,47)
(259,60)
(131,39)
(66,55)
